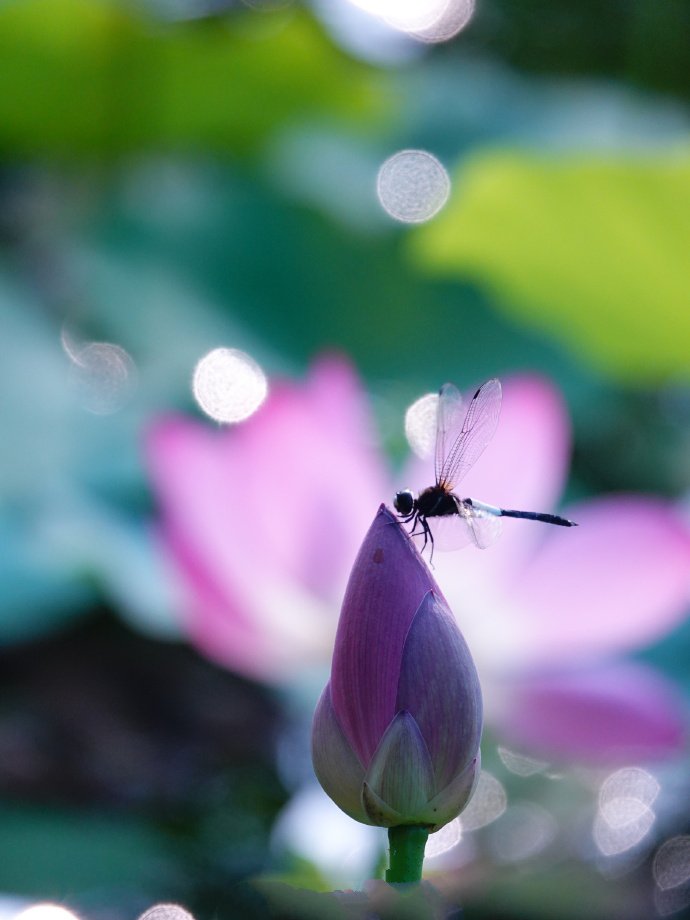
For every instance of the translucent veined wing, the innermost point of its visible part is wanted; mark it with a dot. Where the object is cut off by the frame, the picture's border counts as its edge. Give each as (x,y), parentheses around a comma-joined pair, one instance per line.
(449,532)
(464,444)
(449,419)
(485,523)
(477,525)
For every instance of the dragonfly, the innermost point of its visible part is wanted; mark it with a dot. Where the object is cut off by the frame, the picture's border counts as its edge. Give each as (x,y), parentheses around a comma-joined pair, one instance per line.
(437,513)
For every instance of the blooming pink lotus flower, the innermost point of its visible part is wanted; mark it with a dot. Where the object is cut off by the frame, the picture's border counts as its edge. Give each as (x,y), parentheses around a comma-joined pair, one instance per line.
(396,732)
(262,520)
(262,523)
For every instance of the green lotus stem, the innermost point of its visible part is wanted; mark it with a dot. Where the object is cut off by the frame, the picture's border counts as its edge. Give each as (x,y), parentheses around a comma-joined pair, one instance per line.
(406,843)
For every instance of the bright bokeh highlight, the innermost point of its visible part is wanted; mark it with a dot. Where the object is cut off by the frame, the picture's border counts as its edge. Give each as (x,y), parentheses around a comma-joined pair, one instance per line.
(672,863)
(520,764)
(229,385)
(488,803)
(426,20)
(412,186)
(166,912)
(444,839)
(420,424)
(625,816)
(524,831)
(103,375)
(313,826)
(47,911)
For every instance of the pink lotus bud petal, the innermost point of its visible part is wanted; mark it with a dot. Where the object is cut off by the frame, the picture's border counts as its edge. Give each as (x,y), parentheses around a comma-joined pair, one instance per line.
(396,732)
(439,683)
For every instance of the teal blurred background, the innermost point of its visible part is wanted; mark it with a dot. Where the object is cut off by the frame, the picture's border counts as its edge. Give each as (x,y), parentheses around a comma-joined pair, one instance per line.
(178,175)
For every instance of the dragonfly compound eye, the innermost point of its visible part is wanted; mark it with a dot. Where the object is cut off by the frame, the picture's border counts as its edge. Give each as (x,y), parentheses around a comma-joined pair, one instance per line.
(404,502)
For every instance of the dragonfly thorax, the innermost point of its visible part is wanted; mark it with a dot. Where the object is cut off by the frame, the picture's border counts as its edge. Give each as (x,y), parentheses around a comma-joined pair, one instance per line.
(436,501)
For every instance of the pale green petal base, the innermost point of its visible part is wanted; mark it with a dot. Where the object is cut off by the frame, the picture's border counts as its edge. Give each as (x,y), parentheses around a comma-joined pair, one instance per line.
(336,766)
(401,772)
(450,802)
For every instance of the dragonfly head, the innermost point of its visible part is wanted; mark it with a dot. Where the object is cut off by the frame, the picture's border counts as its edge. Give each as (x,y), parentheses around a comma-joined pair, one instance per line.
(404,502)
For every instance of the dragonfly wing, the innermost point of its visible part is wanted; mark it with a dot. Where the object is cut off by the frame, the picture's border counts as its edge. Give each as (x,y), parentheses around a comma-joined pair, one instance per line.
(449,419)
(462,448)
(485,527)
(450,532)
(453,531)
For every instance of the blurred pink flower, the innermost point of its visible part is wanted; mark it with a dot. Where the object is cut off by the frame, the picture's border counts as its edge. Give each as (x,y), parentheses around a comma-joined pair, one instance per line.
(263,522)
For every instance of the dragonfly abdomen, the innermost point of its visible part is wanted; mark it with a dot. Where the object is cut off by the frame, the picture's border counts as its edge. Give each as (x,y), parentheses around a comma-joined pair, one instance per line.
(538,516)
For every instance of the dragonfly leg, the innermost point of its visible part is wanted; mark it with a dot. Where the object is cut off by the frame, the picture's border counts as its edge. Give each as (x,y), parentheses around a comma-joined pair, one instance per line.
(428,535)
(420,521)
(406,520)
(425,531)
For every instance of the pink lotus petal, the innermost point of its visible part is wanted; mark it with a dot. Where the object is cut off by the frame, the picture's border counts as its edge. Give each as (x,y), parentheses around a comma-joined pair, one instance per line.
(618,581)
(275,505)
(338,400)
(617,714)
(193,486)
(292,487)
(218,621)
(315,475)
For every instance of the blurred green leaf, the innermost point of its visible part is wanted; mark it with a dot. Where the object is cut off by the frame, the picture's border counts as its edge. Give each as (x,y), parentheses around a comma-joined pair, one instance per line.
(593,250)
(50,852)
(643,42)
(299,284)
(88,76)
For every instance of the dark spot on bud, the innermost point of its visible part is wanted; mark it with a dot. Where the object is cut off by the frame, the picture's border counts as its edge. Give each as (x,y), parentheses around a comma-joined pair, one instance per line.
(372,807)
(378,556)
